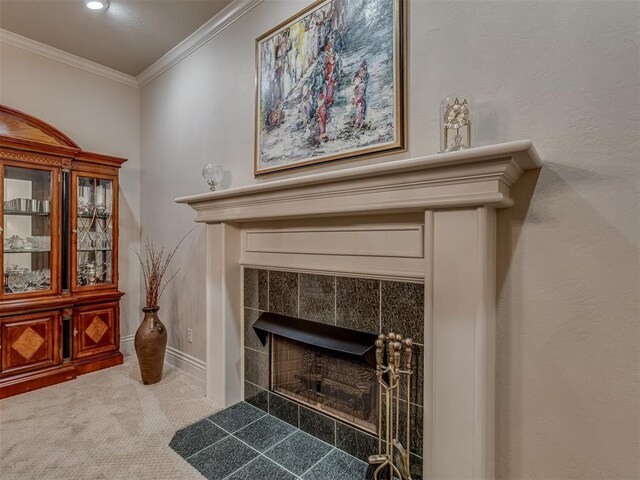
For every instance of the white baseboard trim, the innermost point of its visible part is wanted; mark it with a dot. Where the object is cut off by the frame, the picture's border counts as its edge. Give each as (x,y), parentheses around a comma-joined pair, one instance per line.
(126,344)
(186,363)
(175,357)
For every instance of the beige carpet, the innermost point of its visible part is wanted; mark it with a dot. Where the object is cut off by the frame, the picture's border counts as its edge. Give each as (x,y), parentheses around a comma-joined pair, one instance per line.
(104,425)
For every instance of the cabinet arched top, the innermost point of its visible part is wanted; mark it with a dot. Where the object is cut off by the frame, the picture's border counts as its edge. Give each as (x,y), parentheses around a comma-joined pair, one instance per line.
(24,137)
(19,125)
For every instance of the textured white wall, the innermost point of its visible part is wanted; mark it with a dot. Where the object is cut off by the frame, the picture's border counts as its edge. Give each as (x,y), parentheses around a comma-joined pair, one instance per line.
(564,73)
(101,116)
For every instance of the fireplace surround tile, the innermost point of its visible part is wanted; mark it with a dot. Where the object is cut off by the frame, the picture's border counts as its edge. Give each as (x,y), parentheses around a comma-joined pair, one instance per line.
(236,417)
(362,304)
(223,458)
(256,284)
(256,396)
(299,452)
(318,425)
(283,293)
(284,409)
(266,448)
(265,433)
(317,298)
(403,309)
(251,339)
(415,464)
(355,442)
(337,465)
(261,469)
(196,437)
(358,304)
(256,367)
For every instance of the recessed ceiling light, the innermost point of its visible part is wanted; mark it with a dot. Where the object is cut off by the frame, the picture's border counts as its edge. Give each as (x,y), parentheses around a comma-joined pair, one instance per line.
(97,4)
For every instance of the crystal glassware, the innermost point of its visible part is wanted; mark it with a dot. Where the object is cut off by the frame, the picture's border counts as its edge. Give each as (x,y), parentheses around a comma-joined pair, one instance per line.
(31,278)
(85,197)
(16,243)
(18,281)
(46,276)
(101,198)
(38,279)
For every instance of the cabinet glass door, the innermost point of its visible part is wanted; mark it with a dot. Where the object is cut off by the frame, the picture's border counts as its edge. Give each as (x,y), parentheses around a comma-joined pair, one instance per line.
(28,224)
(94,238)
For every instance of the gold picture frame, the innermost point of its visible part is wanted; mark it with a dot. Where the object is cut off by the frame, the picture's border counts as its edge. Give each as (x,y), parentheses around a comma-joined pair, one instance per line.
(330,85)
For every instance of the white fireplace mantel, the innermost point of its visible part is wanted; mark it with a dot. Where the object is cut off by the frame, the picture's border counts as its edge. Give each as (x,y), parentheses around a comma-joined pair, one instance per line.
(429,219)
(473,177)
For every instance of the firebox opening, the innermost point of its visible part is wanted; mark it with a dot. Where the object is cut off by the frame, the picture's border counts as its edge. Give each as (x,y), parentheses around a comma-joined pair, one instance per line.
(340,385)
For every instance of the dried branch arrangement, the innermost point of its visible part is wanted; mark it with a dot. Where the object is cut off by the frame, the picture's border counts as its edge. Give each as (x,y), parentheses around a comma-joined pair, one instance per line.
(155,263)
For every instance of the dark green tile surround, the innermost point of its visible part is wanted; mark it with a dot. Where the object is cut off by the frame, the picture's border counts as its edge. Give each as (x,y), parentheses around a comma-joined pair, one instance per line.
(243,442)
(363,304)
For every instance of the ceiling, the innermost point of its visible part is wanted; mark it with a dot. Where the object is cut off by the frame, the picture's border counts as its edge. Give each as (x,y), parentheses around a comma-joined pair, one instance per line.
(129,36)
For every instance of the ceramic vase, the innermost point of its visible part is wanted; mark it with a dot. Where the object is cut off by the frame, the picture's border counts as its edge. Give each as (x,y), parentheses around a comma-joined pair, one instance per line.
(151,344)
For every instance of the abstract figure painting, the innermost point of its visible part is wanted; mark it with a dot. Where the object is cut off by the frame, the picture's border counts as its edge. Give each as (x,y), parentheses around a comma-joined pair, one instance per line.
(330,85)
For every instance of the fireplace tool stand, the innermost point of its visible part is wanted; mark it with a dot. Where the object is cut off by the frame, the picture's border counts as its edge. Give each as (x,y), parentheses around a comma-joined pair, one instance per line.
(393,455)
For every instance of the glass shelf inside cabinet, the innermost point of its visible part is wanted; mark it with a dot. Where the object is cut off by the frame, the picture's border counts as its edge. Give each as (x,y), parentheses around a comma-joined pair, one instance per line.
(94,231)
(27,230)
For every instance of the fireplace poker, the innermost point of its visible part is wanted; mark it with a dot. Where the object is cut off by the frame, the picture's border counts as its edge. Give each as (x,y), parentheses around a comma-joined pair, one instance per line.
(379,362)
(408,352)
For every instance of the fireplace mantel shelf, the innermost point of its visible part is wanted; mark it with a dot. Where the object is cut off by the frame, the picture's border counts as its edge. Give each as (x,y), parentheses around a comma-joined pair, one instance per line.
(478,176)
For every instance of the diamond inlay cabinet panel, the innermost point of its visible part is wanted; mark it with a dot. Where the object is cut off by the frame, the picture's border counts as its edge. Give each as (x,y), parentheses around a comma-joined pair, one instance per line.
(30,341)
(95,330)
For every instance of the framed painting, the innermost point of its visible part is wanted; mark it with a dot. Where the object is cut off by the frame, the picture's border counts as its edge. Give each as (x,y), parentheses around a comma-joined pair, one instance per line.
(330,85)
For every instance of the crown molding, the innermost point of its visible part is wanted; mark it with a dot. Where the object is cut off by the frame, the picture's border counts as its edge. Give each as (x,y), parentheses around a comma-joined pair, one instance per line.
(53,53)
(206,32)
(202,35)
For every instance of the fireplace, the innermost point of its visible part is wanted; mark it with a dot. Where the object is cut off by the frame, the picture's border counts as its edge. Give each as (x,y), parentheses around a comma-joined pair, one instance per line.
(429,220)
(332,383)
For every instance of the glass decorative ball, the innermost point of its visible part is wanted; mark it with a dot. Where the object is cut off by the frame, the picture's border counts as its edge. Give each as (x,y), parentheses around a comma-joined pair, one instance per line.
(213,174)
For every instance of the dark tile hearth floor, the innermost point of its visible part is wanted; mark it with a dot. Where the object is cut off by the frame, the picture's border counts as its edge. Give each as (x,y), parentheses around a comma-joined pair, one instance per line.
(244,443)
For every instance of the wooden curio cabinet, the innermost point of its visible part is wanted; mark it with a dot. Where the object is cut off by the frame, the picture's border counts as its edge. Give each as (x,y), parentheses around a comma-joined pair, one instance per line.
(59,297)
